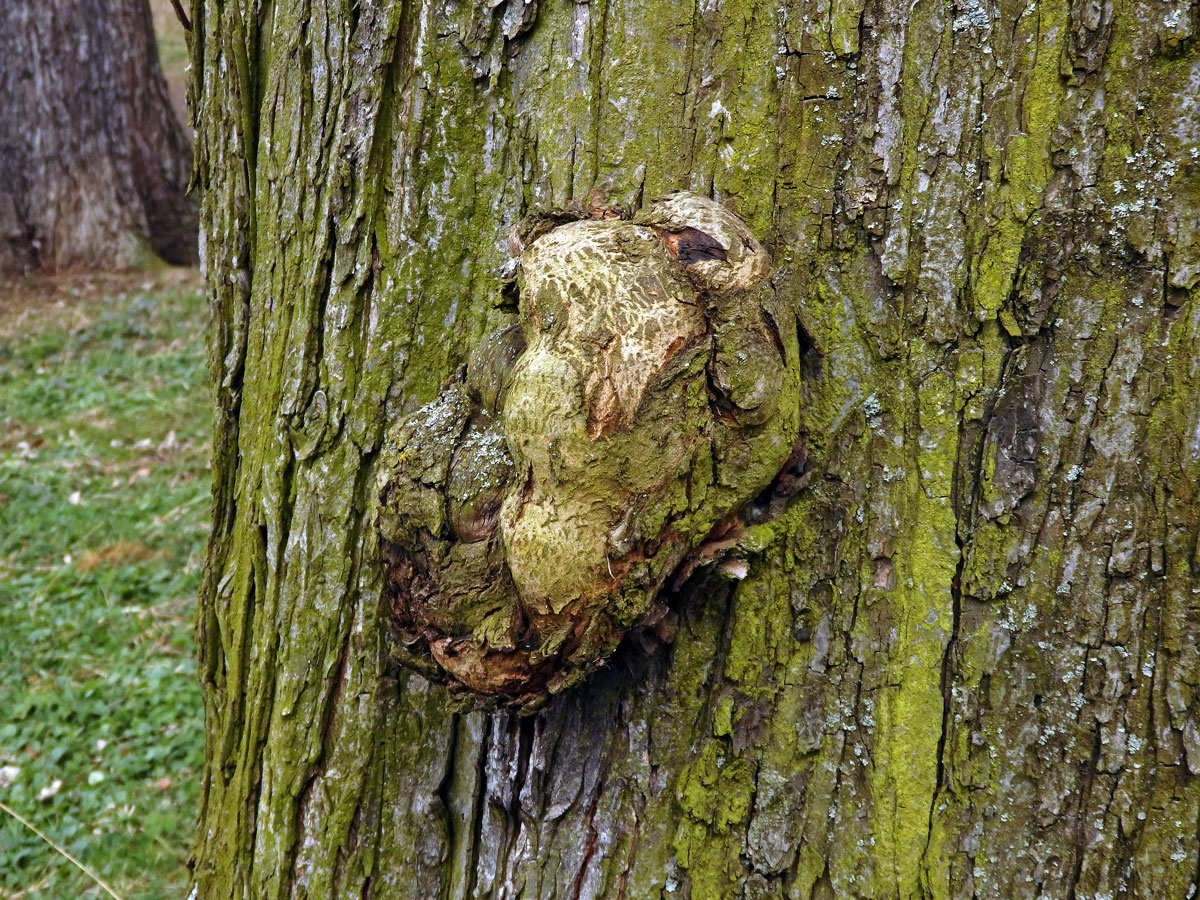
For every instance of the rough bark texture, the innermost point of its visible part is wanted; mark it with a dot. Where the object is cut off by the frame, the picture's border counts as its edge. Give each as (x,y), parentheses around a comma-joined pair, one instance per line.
(964,659)
(94,164)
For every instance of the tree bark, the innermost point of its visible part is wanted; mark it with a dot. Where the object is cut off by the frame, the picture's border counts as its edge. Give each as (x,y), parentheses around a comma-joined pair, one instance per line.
(963,661)
(94,166)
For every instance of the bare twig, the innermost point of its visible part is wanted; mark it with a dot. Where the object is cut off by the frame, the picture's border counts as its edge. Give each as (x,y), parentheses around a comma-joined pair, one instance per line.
(181,15)
(62,851)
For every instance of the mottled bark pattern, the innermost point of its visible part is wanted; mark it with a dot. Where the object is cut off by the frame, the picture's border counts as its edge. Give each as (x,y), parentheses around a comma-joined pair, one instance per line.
(94,165)
(964,659)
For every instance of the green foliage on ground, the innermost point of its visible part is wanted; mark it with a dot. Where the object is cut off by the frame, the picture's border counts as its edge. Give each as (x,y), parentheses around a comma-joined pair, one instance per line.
(104,428)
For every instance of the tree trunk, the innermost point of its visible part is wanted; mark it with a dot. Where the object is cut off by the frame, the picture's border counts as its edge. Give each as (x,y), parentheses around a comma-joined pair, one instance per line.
(963,661)
(93,163)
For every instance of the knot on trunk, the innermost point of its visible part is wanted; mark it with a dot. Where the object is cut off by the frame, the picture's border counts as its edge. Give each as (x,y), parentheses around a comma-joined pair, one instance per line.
(532,513)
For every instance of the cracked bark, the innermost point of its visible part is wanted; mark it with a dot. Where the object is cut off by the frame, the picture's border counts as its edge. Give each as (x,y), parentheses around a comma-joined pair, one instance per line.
(964,659)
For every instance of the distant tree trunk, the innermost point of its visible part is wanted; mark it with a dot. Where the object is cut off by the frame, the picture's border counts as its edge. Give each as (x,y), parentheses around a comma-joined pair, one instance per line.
(965,660)
(94,164)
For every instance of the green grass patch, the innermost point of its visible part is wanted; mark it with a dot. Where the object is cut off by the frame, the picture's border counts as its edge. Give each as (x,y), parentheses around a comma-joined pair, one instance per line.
(104,427)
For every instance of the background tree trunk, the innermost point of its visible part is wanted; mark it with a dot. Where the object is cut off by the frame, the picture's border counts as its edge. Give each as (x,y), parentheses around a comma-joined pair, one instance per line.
(964,661)
(93,162)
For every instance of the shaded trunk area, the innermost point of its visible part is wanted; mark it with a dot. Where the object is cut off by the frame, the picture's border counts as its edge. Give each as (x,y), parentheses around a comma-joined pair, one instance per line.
(963,659)
(94,165)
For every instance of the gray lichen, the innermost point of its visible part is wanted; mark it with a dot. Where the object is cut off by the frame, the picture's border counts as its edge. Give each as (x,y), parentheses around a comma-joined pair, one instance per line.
(533,512)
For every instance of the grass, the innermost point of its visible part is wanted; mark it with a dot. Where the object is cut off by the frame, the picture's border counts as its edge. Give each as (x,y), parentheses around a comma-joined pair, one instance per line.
(103,510)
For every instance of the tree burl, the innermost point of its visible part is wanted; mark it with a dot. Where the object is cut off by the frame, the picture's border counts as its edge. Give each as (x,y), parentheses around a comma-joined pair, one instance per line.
(533,512)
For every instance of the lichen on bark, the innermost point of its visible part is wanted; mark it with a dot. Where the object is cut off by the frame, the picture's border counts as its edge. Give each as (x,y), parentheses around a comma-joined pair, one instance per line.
(532,513)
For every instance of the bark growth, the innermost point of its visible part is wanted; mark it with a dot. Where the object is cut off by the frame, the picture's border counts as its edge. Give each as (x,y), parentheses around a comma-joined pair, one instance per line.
(533,512)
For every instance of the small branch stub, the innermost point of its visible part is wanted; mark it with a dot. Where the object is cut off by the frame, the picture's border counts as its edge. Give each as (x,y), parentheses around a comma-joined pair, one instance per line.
(531,514)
